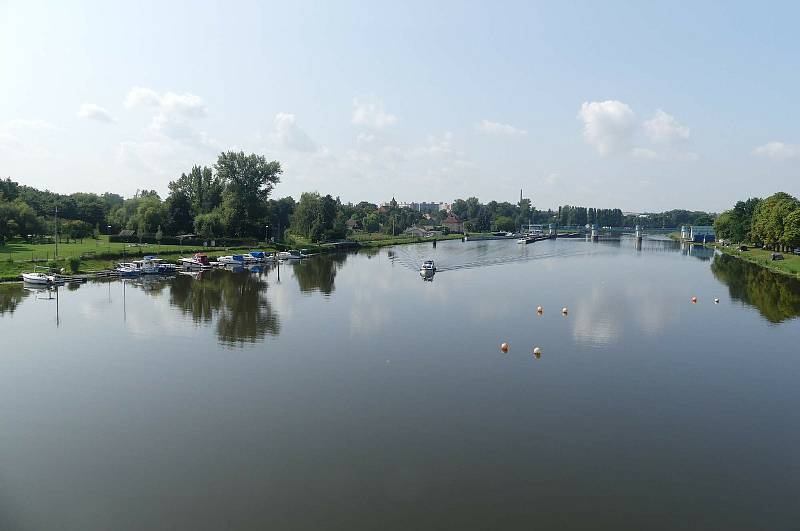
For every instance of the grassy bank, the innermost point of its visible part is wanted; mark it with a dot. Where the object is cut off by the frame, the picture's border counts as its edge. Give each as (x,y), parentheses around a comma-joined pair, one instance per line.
(19,257)
(790,265)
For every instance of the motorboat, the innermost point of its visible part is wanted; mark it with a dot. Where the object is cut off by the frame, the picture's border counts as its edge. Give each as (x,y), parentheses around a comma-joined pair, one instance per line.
(146,266)
(290,255)
(234,259)
(163,267)
(306,253)
(427,270)
(127,269)
(198,261)
(259,256)
(37,277)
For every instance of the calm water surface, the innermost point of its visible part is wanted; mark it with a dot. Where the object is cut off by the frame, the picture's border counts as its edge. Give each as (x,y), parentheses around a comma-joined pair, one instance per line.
(347,393)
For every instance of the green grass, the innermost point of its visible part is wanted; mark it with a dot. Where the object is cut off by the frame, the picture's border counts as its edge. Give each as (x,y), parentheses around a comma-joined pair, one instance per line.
(22,251)
(790,265)
(96,255)
(19,257)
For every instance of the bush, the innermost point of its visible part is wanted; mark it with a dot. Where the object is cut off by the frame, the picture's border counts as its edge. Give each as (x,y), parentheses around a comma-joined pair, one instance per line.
(74,264)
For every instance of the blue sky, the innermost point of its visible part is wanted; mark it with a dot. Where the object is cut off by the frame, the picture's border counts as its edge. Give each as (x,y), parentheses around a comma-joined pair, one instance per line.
(642,106)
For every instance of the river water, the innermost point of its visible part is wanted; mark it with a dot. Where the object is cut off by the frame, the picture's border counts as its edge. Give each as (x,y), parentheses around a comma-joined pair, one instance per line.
(345,392)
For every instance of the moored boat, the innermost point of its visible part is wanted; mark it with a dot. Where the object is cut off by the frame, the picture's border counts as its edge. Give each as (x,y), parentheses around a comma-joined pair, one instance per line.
(198,261)
(127,269)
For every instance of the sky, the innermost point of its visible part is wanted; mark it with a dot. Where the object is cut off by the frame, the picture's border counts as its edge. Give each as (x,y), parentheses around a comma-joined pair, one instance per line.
(644,106)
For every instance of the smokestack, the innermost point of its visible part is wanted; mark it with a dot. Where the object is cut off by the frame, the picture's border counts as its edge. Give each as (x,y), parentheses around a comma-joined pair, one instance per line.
(520,195)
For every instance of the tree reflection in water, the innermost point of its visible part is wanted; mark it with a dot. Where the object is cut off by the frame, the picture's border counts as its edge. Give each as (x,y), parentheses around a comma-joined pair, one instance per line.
(318,272)
(777,297)
(11,295)
(237,302)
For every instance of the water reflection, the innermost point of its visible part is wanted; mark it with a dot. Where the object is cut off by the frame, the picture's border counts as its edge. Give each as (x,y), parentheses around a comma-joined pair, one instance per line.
(237,302)
(11,296)
(777,297)
(319,272)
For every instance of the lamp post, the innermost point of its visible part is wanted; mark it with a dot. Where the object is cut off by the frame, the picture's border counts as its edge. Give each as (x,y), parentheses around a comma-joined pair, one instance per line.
(109,238)
(266,235)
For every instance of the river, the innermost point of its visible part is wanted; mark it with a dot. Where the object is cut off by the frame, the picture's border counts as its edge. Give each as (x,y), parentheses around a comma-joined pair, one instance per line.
(345,392)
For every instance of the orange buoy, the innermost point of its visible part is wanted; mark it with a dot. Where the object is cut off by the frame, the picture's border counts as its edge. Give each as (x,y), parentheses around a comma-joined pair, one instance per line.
(694,299)
(537,352)
(504,347)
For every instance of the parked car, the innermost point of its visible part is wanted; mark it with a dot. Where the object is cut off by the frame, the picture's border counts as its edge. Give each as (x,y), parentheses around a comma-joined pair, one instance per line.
(777,256)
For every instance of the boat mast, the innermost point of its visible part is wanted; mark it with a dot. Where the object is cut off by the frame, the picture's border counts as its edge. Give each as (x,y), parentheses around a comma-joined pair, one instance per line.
(56,232)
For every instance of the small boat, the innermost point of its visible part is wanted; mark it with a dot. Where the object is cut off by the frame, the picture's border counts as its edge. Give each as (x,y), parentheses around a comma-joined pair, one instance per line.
(146,266)
(258,256)
(42,276)
(234,259)
(428,266)
(127,269)
(305,253)
(36,277)
(199,261)
(163,267)
(290,255)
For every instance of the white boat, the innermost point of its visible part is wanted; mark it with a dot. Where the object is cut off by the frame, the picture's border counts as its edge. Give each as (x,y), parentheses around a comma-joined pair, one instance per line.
(36,278)
(127,269)
(428,266)
(258,257)
(290,255)
(199,261)
(146,266)
(42,277)
(234,259)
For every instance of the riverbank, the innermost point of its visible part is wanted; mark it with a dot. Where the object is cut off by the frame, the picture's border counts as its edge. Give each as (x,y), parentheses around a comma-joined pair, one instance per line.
(790,265)
(98,258)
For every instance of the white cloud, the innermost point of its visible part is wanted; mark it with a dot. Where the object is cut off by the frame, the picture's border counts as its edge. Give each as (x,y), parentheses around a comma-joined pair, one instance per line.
(663,128)
(644,153)
(607,125)
(372,114)
(778,151)
(499,129)
(365,138)
(142,96)
(26,138)
(288,134)
(174,114)
(91,111)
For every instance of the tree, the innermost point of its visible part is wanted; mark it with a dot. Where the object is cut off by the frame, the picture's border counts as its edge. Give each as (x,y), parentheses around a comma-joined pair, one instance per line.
(201,188)
(504,223)
(769,216)
(791,229)
(248,180)
(179,217)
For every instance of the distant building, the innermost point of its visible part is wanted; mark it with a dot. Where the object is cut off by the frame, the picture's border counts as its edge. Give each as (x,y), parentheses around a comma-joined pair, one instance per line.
(453,223)
(353,224)
(702,233)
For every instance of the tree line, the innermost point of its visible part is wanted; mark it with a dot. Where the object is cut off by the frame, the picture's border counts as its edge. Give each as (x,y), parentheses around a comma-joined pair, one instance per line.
(232,199)
(773,222)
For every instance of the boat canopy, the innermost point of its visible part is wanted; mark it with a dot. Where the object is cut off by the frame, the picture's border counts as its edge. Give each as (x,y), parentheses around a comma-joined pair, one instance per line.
(258,254)
(149,257)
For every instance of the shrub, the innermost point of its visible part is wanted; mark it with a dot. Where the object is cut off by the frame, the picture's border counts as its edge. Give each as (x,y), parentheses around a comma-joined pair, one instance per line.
(74,264)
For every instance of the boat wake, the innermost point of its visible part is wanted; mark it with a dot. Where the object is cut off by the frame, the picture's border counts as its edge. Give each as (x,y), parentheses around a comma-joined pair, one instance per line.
(468,257)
